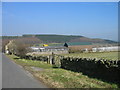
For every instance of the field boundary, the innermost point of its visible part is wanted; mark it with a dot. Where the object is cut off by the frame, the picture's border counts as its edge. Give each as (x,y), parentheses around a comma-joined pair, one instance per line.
(106,70)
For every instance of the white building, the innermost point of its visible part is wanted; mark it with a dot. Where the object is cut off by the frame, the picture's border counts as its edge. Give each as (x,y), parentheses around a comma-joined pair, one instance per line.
(50,50)
(102,49)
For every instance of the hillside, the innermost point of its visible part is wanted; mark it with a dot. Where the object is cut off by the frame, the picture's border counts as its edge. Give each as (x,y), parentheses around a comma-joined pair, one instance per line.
(54,38)
(26,40)
(68,38)
(33,39)
(85,39)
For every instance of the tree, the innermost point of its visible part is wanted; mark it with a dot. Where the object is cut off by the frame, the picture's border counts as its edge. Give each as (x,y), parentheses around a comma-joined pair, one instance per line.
(18,48)
(21,49)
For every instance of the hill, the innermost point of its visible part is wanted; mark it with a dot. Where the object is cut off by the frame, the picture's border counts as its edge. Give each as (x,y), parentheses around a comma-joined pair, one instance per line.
(68,38)
(54,38)
(95,40)
(27,40)
(50,38)
(72,40)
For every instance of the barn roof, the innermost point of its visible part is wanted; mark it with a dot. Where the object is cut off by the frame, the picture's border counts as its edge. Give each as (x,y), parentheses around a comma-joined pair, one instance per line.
(50,47)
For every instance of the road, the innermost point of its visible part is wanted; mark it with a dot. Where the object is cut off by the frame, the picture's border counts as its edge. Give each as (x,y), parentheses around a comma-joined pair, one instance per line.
(14,76)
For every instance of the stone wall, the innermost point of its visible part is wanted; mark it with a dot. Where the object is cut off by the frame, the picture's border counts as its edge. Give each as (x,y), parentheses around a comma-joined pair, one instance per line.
(107,70)
(50,52)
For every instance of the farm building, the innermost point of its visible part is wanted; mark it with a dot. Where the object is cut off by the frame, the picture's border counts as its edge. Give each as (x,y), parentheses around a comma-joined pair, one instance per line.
(102,49)
(94,48)
(50,50)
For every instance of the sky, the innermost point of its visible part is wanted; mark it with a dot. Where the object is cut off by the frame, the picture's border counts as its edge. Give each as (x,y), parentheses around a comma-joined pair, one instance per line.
(89,19)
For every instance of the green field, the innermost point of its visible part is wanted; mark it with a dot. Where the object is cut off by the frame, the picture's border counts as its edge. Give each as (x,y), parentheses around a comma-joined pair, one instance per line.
(98,55)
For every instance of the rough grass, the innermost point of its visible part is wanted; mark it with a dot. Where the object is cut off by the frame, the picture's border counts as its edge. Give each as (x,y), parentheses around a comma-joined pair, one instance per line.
(34,63)
(60,78)
(99,55)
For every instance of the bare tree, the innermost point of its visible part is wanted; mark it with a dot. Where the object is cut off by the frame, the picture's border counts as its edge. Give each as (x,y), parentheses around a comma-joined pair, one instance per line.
(18,48)
(21,49)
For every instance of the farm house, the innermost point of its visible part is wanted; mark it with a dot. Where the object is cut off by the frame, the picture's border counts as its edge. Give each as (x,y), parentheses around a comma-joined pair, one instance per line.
(102,49)
(50,49)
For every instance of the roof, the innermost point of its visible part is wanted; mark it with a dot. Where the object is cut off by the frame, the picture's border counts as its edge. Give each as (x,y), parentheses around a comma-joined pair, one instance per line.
(49,47)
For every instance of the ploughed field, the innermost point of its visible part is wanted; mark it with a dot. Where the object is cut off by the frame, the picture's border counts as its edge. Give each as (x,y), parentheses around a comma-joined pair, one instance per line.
(98,55)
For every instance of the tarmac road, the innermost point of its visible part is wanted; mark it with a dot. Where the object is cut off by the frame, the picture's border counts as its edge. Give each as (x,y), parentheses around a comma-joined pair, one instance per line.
(14,76)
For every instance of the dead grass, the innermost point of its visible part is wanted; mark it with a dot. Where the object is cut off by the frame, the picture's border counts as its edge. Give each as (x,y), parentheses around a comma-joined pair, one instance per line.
(99,55)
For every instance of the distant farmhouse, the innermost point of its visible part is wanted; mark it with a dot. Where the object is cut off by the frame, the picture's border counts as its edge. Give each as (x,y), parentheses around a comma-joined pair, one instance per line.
(50,50)
(45,49)
(104,49)
(95,48)
(64,49)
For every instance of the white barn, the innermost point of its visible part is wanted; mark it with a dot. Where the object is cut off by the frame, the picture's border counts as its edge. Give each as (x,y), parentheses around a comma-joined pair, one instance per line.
(50,50)
(102,49)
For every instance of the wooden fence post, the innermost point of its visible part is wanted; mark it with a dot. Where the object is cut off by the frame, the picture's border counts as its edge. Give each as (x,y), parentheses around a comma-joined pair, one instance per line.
(53,58)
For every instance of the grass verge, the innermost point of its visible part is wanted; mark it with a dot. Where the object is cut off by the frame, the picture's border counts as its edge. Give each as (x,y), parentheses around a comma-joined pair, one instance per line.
(60,78)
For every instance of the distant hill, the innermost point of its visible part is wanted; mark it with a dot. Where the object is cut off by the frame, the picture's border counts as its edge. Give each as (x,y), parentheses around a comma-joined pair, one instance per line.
(26,40)
(68,38)
(54,38)
(40,38)
(85,39)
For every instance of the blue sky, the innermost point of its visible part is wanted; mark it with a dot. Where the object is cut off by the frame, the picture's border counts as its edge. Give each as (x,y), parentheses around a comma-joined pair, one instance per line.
(90,19)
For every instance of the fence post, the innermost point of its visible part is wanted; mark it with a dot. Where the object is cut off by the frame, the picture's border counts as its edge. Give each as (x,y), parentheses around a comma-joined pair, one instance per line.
(50,59)
(53,59)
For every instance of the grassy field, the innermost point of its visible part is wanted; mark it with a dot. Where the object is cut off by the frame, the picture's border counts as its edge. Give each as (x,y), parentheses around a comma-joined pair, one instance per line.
(99,55)
(60,78)
(28,63)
